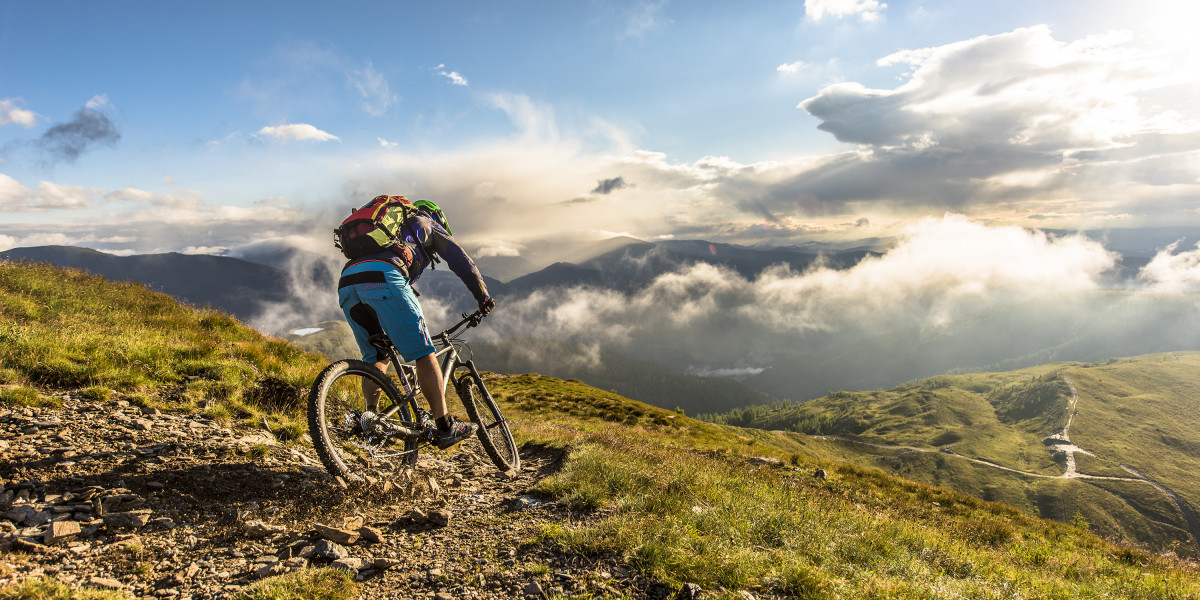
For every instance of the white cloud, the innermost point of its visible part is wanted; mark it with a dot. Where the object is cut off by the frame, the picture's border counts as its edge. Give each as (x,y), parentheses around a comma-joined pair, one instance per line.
(454,77)
(373,87)
(13,195)
(296,132)
(1171,272)
(11,113)
(496,248)
(992,123)
(791,68)
(1022,88)
(386,144)
(99,102)
(865,10)
(938,270)
(53,196)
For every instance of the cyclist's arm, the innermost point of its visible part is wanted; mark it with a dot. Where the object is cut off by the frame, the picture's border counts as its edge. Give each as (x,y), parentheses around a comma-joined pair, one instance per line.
(439,241)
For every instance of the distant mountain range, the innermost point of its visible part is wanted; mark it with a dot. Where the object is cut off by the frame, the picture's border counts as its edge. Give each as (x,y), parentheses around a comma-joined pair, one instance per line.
(632,264)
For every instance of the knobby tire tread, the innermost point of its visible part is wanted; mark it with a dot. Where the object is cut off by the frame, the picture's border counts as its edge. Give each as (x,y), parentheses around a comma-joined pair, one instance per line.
(473,403)
(326,450)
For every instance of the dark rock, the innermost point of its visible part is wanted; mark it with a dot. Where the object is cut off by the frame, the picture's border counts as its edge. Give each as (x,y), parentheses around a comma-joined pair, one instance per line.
(330,550)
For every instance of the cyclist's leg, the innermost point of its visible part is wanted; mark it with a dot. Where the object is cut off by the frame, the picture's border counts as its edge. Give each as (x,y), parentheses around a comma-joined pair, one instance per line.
(397,312)
(429,374)
(371,392)
(363,323)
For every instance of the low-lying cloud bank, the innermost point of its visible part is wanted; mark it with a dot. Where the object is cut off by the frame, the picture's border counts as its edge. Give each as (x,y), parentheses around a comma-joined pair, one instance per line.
(941,269)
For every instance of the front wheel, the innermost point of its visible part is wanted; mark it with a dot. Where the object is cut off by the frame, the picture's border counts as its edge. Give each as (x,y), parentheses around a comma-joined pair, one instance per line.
(493,431)
(349,445)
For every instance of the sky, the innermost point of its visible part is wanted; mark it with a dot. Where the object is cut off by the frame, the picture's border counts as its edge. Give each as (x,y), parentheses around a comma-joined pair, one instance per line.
(140,127)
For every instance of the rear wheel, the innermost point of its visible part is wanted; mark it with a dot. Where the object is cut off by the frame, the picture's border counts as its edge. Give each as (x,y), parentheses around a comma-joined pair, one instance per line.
(349,445)
(493,431)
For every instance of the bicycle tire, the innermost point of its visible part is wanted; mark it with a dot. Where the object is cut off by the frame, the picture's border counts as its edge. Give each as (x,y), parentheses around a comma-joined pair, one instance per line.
(493,430)
(335,395)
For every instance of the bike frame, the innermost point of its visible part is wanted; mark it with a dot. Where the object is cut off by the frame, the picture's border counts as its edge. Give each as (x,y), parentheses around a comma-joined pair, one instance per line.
(448,359)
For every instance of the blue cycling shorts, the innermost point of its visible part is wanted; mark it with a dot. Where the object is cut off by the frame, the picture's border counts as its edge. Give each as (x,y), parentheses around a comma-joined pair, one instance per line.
(396,307)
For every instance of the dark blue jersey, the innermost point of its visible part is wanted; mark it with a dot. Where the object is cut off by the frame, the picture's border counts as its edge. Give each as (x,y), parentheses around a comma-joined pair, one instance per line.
(424,240)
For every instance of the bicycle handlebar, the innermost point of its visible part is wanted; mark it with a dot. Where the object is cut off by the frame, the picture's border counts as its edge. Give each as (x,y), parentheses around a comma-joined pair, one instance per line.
(471,320)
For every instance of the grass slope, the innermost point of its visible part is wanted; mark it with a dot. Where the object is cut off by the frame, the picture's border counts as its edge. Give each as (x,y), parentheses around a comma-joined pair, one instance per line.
(689,501)
(66,328)
(1135,418)
(677,499)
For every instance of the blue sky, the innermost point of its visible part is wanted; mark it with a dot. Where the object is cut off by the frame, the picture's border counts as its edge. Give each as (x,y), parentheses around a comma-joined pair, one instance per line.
(162,126)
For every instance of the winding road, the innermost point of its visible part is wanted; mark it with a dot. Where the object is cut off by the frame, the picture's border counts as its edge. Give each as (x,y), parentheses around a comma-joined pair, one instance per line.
(1061,442)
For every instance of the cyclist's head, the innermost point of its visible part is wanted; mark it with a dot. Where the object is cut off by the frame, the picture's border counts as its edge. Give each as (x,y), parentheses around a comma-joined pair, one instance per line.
(433,211)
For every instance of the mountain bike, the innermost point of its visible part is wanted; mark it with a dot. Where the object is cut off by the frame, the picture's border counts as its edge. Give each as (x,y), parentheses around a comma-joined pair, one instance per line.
(357,444)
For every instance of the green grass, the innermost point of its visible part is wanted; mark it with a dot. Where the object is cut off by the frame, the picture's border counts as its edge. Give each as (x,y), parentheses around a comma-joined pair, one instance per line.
(325,583)
(47,588)
(67,329)
(678,501)
(717,522)
(18,395)
(1138,411)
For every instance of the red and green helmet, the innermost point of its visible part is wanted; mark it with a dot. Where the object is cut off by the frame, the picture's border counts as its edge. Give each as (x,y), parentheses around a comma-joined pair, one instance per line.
(435,212)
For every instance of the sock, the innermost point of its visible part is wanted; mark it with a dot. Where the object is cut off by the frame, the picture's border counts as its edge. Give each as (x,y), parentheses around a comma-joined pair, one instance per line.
(444,422)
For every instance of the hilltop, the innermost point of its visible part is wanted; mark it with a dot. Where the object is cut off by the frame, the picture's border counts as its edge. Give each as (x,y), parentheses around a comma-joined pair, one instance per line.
(1112,443)
(119,401)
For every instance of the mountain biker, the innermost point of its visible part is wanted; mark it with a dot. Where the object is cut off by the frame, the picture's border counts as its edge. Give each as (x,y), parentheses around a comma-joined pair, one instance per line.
(375,293)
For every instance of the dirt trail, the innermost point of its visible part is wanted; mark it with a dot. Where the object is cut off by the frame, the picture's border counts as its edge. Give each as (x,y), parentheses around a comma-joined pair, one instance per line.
(180,507)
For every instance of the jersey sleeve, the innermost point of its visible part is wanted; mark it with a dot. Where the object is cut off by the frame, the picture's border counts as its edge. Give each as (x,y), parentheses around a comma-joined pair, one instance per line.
(431,237)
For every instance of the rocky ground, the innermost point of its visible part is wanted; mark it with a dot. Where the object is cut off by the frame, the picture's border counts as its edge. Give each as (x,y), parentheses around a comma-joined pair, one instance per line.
(177,506)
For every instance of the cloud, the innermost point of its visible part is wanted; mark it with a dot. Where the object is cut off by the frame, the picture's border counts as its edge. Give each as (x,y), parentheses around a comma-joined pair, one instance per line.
(1171,272)
(89,126)
(386,144)
(53,196)
(296,132)
(10,113)
(792,67)
(13,195)
(496,248)
(156,227)
(454,76)
(608,186)
(938,270)
(994,121)
(865,10)
(377,96)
